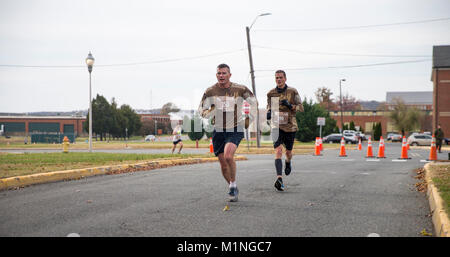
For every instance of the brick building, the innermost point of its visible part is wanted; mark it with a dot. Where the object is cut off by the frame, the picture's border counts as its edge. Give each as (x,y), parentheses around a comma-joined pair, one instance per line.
(157,117)
(440,75)
(365,119)
(24,125)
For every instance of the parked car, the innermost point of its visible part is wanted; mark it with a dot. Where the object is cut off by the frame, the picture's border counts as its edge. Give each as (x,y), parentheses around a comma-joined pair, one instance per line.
(394,137)
(360,135)
(419,139)
(332,138)
(336,138)
(351,138)
(150,138)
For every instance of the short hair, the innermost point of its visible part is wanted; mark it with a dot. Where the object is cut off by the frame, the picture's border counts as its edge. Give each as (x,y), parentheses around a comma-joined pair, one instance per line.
(223,65)
(281,71)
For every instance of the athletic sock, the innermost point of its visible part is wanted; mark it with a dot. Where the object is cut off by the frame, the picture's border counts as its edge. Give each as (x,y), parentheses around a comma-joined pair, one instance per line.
(233,184)
(279,166)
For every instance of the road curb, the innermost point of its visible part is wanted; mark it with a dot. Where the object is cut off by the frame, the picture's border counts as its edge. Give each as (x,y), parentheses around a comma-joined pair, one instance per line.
(439,217)
(21,181)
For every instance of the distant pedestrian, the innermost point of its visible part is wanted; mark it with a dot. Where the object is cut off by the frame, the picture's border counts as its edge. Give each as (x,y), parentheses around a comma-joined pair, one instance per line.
(176,139)
(439,134)
(283,102)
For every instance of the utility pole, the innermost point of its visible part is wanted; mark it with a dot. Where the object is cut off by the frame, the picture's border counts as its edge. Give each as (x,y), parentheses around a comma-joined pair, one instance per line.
(252,74)
(342,117)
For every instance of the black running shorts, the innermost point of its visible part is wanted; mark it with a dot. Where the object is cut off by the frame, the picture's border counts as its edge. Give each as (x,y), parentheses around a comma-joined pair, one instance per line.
(220,139)
(280,137)
(176,142)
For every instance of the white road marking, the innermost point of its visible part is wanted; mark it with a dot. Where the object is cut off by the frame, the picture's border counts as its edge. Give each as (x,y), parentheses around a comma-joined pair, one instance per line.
(399,160)
(373,235)
(372,160)
(73,235)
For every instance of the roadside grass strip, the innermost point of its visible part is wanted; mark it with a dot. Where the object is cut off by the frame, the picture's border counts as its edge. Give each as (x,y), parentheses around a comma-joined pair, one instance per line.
(438,191)
(147,163)
(31,163)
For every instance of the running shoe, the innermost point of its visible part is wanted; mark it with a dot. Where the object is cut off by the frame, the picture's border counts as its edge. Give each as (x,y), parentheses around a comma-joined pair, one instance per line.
(287,169)
(233,194)
(279,185)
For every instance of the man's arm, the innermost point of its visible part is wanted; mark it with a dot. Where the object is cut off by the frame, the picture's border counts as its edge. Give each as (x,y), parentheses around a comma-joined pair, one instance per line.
(206,106)
(297,105)
(269,110)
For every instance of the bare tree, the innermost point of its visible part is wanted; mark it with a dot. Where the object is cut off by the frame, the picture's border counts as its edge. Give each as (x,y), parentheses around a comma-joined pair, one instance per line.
(323,96)
(405,118)
(168,108)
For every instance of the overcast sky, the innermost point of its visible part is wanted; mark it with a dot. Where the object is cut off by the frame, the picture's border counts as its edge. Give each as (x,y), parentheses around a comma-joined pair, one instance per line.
(148,53)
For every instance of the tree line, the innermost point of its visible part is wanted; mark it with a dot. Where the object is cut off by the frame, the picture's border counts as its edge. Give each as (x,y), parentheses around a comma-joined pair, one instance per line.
(112,121)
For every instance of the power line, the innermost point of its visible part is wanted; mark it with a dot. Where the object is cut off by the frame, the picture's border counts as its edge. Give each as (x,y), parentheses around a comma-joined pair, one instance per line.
(348,66)
(354,27)
(339,54)
(173,60)
(122,64)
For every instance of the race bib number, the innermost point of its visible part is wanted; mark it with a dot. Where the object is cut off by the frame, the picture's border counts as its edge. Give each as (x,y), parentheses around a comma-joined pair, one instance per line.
(225,103)
(280,118)
(283,118)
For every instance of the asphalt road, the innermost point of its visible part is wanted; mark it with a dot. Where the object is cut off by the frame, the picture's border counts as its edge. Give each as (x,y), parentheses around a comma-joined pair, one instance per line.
(326,196)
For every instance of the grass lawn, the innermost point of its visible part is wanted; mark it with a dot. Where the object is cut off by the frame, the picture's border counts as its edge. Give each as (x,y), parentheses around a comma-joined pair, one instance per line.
(30,163)
(440,174)
(18,143)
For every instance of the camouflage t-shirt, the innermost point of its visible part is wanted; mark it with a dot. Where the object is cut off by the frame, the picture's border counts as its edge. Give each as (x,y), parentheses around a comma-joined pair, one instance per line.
(224,105)
(282,117)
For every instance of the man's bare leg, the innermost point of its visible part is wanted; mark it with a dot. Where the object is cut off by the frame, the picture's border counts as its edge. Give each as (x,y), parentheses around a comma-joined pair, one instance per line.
(229,151)
(224,167)
(288,155)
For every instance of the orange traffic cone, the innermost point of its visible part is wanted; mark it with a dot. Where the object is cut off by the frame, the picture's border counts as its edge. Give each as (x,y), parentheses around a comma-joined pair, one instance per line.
(404,149)
(381,149)
(211,148)
(320,143)
(433,154)
(317,148)
(369,148)
(359,145)
(342,153)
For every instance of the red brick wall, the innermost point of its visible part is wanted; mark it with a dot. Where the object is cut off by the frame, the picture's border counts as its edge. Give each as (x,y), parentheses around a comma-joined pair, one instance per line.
(441,99)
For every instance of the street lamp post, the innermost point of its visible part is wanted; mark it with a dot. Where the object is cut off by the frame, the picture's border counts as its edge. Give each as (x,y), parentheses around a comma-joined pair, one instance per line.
(126,137)
(90,62)
(342,117)
(252,73)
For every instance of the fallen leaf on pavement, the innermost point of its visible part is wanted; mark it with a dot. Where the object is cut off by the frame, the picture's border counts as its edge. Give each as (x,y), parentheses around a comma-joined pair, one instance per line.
(425,233)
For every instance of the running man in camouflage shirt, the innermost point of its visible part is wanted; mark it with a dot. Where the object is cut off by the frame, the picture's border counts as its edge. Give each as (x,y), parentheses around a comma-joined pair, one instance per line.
(282,104)
(222,103)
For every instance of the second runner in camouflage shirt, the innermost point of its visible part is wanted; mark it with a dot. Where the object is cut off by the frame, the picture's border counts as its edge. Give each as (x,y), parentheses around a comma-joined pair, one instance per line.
(283,117)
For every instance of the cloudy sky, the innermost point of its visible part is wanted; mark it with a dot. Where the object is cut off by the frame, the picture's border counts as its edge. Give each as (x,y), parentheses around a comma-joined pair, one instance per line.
(152,52)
